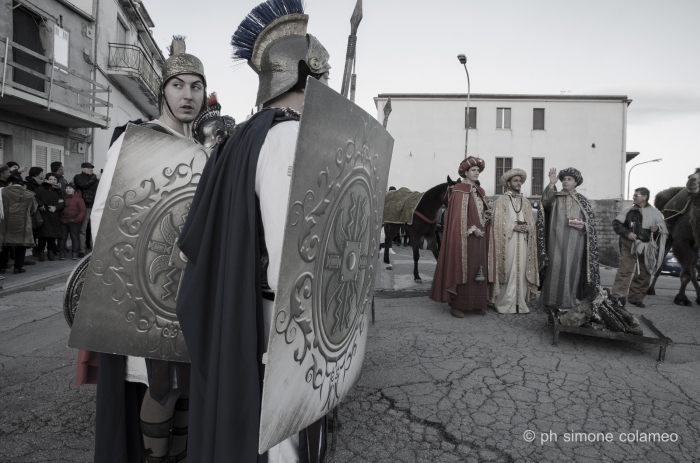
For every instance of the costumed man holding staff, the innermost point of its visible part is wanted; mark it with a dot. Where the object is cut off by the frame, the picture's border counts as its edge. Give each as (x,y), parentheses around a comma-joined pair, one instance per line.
(139,397)
(517,278)
(466,263)
(233,240)
(566,242)
(643,234)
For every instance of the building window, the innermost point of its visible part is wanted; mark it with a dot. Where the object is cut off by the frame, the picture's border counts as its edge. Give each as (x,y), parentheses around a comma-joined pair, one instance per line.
(60,45)
(503,118)
(43,154)
(121,32)
(2,149)
(472,117)
(503,165)
(538,119)
(537,176)
(26,32)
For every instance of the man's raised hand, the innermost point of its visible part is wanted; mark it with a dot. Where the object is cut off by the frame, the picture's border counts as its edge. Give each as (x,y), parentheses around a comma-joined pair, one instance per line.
(553,176)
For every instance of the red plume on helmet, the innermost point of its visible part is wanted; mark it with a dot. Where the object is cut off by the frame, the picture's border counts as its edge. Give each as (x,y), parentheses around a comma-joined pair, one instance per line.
(212,99)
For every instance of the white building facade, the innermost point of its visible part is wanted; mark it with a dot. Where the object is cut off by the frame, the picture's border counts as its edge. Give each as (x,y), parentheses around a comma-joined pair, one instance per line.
(532,132)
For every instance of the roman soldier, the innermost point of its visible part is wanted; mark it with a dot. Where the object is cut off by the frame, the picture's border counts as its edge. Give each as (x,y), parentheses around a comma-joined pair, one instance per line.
(210,127)
(233,240)
(143,400)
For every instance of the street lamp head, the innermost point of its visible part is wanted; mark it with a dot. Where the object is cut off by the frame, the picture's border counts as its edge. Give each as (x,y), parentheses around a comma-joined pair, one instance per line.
(462,59)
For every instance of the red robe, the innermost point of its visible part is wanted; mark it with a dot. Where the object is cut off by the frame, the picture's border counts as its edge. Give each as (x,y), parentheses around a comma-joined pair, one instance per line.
(462,253)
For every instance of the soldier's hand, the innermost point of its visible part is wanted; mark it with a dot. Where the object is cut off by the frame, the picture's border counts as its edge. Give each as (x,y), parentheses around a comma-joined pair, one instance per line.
(52,208)
(632,236)
(478,233)
(553,176)
(99,176)
(654,228)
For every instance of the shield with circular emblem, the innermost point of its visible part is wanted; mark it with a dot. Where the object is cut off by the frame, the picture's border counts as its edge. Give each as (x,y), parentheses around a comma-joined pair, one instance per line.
(329,263)
(130,286)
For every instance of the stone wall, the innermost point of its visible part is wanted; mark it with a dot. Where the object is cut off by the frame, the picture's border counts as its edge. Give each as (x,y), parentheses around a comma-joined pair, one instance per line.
(605,211)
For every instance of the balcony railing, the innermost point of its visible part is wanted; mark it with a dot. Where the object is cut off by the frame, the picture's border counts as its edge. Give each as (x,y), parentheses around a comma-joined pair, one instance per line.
(131,57)
(83,88)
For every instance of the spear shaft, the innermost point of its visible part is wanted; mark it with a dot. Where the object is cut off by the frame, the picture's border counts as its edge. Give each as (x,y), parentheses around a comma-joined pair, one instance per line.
(352,42)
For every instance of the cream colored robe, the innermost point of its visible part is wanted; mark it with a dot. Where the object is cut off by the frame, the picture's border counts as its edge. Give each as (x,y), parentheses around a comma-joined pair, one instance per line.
(516,253)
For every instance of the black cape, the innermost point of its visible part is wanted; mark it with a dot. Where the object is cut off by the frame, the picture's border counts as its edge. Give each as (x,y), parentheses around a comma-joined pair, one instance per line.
(221,284)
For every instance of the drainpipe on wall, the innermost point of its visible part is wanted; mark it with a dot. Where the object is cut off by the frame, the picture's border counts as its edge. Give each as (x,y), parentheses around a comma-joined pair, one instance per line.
(96,35)
(624,149)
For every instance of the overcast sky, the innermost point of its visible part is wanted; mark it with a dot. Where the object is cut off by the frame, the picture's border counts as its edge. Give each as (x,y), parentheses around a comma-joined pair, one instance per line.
(647,50)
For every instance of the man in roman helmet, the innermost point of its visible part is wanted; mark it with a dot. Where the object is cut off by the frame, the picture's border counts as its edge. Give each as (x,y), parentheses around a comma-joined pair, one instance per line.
(161,387)
(515,246)
(233,240)
(566,242)
(210,127)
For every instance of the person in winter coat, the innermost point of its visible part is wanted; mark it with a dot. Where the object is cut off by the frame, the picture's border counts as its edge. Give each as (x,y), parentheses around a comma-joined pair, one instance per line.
(18,207)
(86,182)
(51,203)
(5,174)
(72,216)
(35,178)
(16,171)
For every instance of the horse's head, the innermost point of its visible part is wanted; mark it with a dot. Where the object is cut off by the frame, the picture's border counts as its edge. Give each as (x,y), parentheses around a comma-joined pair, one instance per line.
(693,183)
(448,190)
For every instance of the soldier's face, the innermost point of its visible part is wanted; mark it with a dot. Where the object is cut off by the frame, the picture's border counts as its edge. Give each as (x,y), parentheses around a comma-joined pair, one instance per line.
(568,184)
(516,183)
(184,94)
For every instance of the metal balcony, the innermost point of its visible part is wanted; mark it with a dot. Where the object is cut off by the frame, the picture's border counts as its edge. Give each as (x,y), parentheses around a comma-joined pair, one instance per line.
(60,96)
(129,67)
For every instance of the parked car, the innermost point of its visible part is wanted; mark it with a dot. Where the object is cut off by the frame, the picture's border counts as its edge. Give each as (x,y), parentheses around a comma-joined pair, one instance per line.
(671,265)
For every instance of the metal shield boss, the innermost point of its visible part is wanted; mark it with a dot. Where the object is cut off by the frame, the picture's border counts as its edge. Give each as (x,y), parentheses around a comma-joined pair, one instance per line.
(129,294)
(329,263)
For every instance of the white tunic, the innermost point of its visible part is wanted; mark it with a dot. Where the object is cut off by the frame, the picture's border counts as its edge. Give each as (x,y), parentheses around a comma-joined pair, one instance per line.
(272,184)
(135,366)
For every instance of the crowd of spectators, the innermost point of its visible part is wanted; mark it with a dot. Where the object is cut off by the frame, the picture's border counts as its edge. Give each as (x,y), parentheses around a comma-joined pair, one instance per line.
(41,211)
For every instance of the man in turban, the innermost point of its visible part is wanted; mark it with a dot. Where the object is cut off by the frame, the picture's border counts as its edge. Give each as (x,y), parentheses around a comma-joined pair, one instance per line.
(566,242)
(466,264)
(515,246)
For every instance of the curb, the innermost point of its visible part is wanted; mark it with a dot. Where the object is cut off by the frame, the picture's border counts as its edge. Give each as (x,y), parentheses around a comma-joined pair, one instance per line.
(37,282)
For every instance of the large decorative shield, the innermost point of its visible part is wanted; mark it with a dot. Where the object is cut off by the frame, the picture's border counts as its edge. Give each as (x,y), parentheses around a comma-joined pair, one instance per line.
(329,261)
(128,299)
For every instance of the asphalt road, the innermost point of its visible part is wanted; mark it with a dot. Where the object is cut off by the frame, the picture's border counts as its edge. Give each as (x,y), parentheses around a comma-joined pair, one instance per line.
(434,388)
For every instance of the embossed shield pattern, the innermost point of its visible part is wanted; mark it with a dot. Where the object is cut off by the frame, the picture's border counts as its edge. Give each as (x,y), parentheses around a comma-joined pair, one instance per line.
(128,299)
(329,261)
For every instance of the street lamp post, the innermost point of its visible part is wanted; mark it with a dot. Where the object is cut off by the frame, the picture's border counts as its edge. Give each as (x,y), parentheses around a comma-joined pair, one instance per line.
(463,59)
(630,173)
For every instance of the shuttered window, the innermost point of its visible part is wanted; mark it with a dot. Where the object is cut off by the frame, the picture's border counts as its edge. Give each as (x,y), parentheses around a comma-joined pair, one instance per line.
(471,119)
(538,119)
(60,45)
(502,118)
(43,154)
(503,165)
(537,176)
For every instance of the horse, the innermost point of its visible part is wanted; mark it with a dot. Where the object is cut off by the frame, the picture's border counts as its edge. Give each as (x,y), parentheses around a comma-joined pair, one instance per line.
(684,236)
(424,224)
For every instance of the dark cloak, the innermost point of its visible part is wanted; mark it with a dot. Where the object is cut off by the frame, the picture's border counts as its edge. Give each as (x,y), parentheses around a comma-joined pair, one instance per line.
(220,286)
(590,274)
